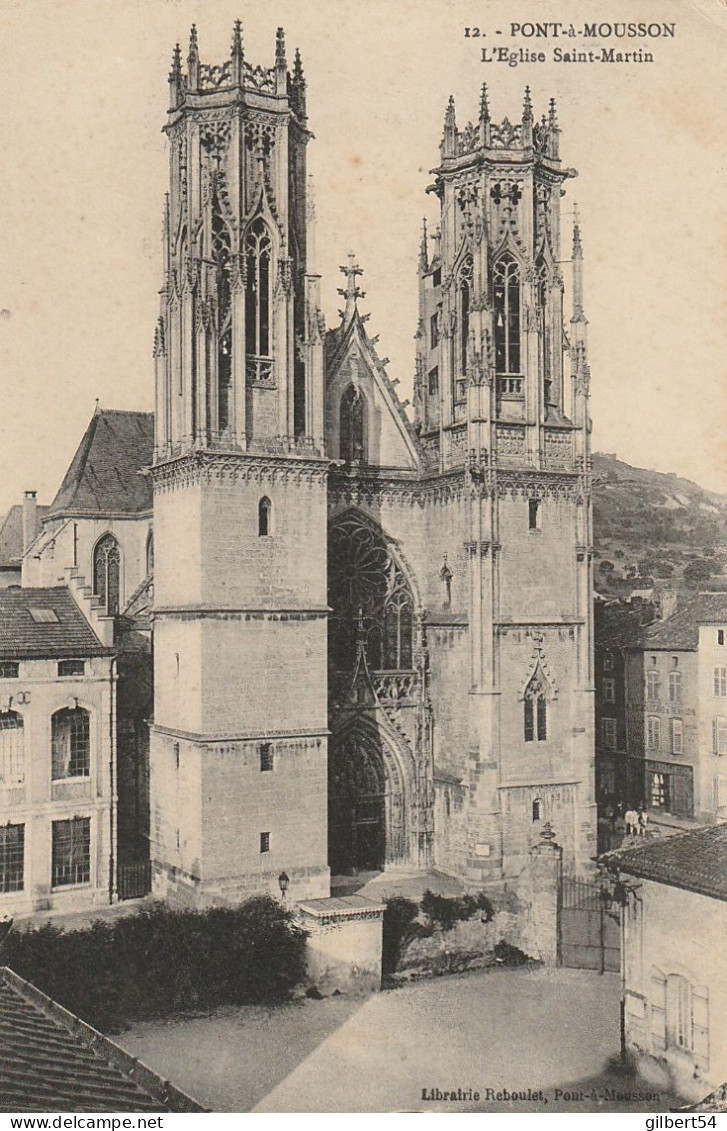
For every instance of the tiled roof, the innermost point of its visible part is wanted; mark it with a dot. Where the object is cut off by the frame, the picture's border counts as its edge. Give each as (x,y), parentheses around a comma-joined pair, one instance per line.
(22,637)
(52,1061)
(696,861)
(681,630)
(11,535)
(104,475)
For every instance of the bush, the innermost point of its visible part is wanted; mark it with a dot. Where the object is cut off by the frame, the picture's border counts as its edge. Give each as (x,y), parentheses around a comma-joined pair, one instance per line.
(159,961)
(398,929)
(507,955)
(444,911)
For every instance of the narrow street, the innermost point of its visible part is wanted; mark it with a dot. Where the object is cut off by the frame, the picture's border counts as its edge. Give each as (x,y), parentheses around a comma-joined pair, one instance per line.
(545,1030)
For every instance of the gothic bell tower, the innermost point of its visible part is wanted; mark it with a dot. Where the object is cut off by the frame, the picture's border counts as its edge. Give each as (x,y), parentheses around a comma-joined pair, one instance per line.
(497,401)
(238,751)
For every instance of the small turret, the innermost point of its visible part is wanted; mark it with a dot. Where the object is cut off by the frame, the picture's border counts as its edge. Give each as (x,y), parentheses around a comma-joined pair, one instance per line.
(423,250)
(527,119)
(193,60)
(281,66)
(449,138)
(237,54)
(176,82)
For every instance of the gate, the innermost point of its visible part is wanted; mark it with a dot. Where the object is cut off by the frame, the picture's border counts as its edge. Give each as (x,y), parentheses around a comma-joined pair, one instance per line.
(134,880)
(589,929)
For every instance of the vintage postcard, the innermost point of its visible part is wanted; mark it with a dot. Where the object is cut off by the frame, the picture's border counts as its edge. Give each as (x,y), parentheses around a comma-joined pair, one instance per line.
(363,557)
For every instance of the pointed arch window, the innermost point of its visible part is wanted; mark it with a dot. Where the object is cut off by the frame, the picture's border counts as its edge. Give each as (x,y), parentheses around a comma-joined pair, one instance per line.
(535,710)
(464,304)
(543,287)
(258,294)
(506,298)
(107,573)
(222,255)
(370,598)
(353,425)
(264,517)
(150,554)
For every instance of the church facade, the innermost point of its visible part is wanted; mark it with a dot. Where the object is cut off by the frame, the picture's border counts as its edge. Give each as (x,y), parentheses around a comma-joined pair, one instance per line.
(372,637)
(342,639)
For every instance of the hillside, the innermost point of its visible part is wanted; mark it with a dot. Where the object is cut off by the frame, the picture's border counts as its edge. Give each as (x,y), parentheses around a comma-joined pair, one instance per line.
(648,524)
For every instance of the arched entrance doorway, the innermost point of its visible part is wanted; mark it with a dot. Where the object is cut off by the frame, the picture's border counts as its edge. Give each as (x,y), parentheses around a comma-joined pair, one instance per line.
(371,642)
(356,807)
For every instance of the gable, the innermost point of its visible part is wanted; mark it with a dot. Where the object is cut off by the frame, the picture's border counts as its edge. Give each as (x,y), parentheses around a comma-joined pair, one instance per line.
(389,440)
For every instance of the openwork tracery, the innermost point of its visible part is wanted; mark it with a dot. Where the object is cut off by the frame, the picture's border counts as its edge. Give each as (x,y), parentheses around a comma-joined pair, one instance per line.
(222,254)
(506,295)
(371,600)
(258,293)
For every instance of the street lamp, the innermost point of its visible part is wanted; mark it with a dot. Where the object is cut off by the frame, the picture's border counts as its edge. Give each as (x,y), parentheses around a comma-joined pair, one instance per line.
(283,883)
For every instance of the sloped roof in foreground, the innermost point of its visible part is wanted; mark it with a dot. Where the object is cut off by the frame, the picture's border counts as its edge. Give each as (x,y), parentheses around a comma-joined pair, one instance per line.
(695,861)
(45,623)
(52,1061)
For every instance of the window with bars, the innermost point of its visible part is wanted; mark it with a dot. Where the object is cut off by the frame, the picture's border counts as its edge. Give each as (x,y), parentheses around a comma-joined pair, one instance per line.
(608,733)
(677,736)
(71,852)
(12,749)
(266,757)
(609,690)
(71,667)
(107,573)
(9,669)
(71,743)
(264,842)
(12,857)
(720,682)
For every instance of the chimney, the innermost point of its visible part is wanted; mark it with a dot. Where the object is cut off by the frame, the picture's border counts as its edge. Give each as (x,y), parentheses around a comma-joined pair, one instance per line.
(668,602)
(30,518)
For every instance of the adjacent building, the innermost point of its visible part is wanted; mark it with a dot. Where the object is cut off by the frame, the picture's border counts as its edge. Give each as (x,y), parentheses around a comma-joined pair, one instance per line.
(675,919)
(676,712)
(57,751)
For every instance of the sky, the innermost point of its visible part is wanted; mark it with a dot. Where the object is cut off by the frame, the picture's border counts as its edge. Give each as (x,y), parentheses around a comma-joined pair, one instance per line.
(84,90)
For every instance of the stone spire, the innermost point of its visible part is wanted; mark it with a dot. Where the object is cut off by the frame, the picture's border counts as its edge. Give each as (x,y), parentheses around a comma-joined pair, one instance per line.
(527,119)
(553,131)
(237,54)
(351,292)
(578,314)
(484,117)
(449,139)
(423,249)
(193,59)
(176,83)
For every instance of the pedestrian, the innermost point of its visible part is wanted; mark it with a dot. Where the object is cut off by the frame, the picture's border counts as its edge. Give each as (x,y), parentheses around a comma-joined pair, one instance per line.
(643,821)
(631,818)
